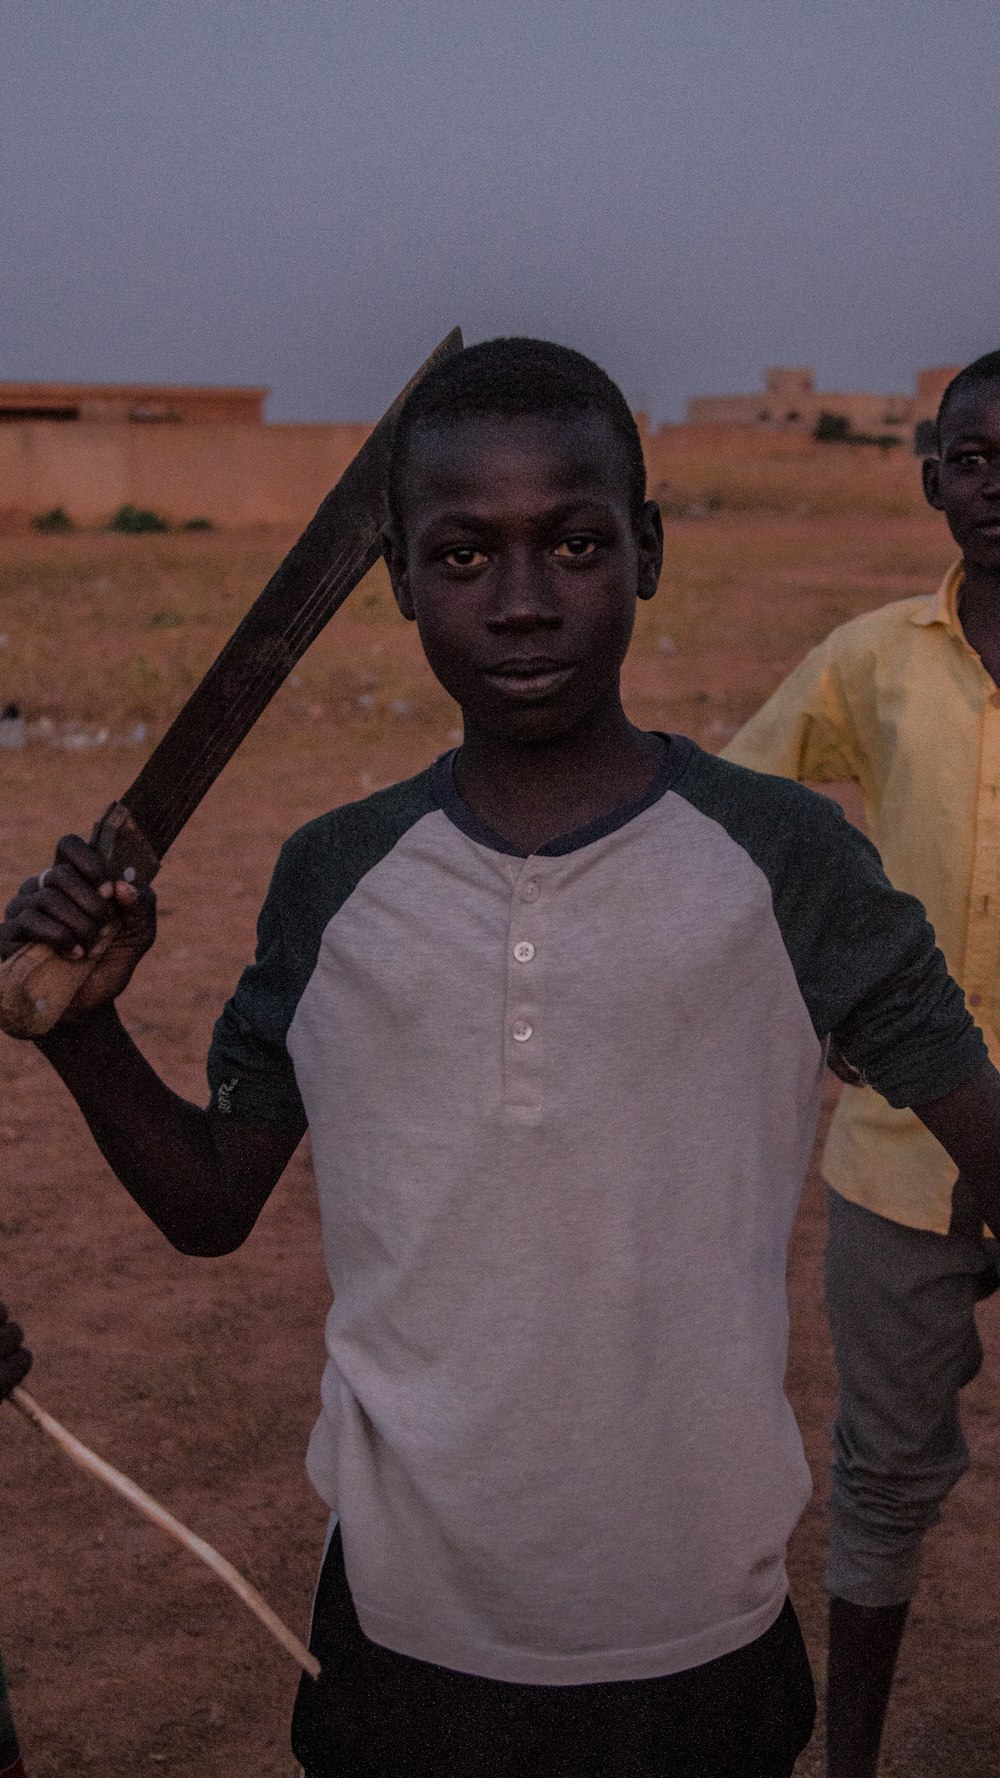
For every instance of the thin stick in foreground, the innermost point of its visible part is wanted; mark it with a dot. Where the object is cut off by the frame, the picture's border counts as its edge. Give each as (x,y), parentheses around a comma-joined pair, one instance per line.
(158,1515)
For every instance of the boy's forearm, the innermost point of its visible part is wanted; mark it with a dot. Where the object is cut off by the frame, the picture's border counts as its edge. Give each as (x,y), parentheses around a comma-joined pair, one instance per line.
(159,1145)
(967,1123)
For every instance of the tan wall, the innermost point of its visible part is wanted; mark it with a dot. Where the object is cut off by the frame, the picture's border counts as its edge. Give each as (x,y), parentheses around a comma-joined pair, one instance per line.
(866,412)
(143,402)
(727,410)
(270,475)
(931,385)
(671,443)
(233,475)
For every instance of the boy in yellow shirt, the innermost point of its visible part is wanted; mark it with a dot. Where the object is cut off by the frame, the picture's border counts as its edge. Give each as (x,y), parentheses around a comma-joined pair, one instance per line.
(904,702)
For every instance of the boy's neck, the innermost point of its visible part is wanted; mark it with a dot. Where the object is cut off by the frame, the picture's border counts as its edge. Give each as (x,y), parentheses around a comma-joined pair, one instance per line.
(979,615)
(532,792)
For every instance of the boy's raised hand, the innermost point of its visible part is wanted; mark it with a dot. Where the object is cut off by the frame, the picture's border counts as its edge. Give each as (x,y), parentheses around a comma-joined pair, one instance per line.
(74,907)
(15,1359)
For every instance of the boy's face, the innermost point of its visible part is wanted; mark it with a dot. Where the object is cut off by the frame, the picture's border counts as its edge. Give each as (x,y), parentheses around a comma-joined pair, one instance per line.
(521,563)
(964,482)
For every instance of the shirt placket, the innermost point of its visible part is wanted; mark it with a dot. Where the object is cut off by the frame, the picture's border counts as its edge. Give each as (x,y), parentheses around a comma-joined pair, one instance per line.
(980,965)
(524,1011)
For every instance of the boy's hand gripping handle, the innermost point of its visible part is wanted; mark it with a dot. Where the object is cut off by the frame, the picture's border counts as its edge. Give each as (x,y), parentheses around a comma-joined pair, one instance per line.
(36,984)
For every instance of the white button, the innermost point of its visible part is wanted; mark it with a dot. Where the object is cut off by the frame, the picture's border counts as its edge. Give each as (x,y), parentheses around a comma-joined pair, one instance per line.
(521,1031)
(529,890)
(524,951)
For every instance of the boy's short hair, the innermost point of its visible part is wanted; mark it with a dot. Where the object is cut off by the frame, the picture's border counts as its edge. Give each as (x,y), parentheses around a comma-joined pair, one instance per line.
(511,377)
(981,370)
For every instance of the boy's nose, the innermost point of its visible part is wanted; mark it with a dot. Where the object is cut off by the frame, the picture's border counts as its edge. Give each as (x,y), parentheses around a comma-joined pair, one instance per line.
(523,599)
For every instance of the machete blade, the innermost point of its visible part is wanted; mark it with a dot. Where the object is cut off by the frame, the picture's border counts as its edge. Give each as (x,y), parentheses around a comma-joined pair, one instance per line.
(334,553)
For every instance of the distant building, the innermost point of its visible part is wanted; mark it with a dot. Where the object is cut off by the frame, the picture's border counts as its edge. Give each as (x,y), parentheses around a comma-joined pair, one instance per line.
(140,402)
(182,451)
(790,399)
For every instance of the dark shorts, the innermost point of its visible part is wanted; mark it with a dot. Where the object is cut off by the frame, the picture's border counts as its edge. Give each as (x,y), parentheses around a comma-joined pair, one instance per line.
(374,1713)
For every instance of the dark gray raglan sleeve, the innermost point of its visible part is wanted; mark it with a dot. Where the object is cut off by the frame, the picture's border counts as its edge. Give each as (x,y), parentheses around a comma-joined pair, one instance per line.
(249,1069)
(864,953)
(250,1072)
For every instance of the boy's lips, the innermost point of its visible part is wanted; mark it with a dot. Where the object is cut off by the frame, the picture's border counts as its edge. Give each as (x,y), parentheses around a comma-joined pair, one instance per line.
(527,678)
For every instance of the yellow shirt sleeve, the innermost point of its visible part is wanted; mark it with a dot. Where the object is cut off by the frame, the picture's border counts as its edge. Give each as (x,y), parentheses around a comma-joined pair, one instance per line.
(804,731)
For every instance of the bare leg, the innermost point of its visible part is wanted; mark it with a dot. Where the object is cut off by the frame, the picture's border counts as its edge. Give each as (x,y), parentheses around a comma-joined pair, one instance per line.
(864,1642)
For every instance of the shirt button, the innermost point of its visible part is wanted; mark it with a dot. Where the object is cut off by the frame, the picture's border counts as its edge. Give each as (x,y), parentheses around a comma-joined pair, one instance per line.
(524,951)
(529,890)
(974,999)
(521,1031)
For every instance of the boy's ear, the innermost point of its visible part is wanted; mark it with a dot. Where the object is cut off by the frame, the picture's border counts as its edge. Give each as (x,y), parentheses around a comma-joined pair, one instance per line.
(930,470)
(650,540)
(394,552)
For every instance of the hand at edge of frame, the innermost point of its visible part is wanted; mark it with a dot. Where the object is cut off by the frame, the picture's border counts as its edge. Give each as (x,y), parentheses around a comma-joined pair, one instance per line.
(15,1359)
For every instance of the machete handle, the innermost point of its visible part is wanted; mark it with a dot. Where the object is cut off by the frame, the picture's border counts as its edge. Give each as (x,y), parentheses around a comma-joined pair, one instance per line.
(36,984)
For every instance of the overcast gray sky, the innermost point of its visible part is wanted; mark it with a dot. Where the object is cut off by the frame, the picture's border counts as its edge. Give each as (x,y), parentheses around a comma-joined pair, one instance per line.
(308,193)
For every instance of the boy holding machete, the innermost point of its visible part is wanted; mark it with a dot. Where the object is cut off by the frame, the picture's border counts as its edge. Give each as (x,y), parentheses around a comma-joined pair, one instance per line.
(555,1013)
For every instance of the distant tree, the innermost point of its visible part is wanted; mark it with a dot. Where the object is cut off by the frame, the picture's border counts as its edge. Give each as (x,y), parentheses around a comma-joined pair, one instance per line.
(832,428)
(837,429)
(55,520)
(135,519)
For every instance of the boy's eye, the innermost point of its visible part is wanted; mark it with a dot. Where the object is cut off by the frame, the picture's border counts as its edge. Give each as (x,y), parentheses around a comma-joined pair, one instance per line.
(970,459)
(463,555)
(576,546)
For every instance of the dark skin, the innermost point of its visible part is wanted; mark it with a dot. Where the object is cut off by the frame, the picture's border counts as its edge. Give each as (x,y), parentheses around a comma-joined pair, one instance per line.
(562,567)
(15,1359)
(521,564)
(520,559)
(963,483)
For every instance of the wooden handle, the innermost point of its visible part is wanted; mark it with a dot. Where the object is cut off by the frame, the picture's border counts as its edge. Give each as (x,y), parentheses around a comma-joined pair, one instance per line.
(36,987)
(36,984)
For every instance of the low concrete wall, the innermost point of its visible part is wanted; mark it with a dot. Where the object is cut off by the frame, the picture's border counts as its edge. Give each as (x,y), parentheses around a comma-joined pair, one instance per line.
(233,475)
(696,440)
(261,475)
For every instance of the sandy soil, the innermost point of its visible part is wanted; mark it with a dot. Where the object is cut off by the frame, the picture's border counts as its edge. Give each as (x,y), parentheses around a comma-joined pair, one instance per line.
(200,1378)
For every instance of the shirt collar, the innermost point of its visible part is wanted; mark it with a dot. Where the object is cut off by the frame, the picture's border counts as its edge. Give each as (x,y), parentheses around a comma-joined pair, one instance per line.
(943,608)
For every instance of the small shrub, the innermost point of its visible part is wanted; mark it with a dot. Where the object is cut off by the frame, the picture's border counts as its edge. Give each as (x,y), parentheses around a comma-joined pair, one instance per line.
(197,525)
(136,519)
(837,429)
(53,522)
(832,428)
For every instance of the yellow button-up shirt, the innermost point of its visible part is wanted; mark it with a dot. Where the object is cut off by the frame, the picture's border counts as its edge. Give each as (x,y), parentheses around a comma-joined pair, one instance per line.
(897,702)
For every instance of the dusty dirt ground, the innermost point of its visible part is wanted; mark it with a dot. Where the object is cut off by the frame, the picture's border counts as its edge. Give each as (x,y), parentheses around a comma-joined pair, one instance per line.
(200,1377)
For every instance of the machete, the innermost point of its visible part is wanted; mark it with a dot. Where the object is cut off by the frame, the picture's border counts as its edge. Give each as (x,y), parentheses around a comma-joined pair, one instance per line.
(333,554)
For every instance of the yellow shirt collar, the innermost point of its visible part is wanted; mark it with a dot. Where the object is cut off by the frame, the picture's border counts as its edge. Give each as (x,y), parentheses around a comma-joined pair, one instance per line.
(943,609)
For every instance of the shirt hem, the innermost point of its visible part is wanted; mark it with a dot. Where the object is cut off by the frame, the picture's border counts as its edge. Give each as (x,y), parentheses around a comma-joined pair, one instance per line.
(524,1668)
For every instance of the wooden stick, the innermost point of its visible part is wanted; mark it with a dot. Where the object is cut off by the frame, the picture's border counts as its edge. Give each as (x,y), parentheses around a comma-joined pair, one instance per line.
(152,1510)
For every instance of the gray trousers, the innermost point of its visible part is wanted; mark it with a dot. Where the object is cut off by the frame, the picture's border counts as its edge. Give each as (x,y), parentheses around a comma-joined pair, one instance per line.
(901,1304)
